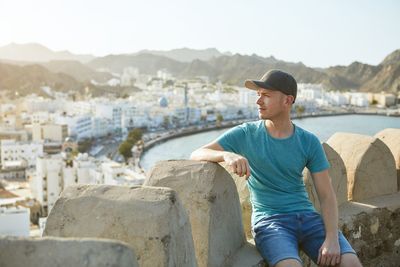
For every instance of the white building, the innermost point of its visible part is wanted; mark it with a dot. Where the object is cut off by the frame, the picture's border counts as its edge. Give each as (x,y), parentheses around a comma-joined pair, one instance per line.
(110,111)
(53,174)
(49,132)
(117,174)
(7,108)
(33,104)
(357,99)
(194,115)
(14,221)
(129,76)
(337,99)
(16,151)
(101,127)
(128,116)
(79,107)
(84,166)
(164,74)
(79,126)
(114,82)
(9,121)
(47,185)
(247,97)
(40,117)
(310,91)
(383,99)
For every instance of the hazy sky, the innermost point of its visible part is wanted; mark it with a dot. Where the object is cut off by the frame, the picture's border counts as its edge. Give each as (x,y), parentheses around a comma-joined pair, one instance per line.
(319,33)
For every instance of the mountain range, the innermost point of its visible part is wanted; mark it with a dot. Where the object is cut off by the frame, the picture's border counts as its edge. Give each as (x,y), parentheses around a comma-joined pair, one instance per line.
(39,65)
(33,52)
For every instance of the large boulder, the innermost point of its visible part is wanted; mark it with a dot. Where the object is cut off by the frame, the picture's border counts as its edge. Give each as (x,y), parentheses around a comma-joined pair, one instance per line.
(150,219)
(391,137)
(212,202)
(337,173)
(244,199)
(370,166)
(50,252)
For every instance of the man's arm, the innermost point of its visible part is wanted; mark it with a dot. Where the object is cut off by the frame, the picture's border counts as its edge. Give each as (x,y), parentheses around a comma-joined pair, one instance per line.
(215,153)
(329,253)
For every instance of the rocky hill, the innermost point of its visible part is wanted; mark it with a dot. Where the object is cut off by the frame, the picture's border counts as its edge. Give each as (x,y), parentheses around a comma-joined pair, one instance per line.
(29,79)
(186,54)
(77,70)
(236,68)
(146,63)
(189,63)
(388,77)
(33,52)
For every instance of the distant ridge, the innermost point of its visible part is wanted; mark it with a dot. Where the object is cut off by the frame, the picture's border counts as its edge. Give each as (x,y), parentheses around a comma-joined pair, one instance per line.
(225,67)
(33,52)
(186,54)
(29,79)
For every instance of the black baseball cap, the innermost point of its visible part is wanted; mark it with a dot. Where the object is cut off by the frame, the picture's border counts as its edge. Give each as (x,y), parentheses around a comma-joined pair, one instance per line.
(277,80)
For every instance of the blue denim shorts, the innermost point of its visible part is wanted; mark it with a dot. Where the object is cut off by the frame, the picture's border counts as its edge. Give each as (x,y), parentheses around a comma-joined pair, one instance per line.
(279,237)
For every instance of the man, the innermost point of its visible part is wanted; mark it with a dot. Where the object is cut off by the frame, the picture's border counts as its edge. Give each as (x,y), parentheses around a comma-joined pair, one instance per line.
(271,153)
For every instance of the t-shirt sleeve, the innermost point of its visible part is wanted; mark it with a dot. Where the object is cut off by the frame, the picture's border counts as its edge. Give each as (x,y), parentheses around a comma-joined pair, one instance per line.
(317,160)
(233,140)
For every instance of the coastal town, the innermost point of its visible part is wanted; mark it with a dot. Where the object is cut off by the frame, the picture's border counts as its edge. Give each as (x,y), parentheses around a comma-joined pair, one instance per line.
(52,141)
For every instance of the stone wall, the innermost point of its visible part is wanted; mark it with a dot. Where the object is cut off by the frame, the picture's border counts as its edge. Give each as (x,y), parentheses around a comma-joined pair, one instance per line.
(211,199)
(51,252)
(150,219)
(192,213)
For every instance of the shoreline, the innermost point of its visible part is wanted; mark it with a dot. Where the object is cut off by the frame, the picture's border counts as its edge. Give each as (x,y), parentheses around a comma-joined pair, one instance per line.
(185,132)
(228,124)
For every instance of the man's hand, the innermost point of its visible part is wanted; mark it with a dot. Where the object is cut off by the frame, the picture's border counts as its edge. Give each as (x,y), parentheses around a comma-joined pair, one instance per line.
(329,253)
(239,164)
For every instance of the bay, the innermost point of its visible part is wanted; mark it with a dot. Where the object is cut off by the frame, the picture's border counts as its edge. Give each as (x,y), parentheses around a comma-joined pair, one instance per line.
(322,127)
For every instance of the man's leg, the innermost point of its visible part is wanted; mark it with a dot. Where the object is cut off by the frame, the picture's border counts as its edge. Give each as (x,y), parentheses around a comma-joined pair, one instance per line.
(276,240)
(313,232)
(288,263)
(349,260)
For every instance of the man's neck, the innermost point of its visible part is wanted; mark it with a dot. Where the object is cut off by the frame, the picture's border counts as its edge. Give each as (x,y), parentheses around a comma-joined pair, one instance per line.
(279,128)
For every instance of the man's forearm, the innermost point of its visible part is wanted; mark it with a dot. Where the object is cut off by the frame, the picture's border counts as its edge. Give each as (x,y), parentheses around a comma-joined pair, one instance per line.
(208,155)
(330,215)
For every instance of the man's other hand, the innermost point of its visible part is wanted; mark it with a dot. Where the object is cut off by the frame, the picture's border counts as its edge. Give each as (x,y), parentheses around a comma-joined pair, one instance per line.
(238,164)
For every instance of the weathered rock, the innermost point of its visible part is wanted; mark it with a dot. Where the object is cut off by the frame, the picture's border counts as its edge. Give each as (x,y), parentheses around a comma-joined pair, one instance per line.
(373,230)
(391,137)
(337,172)
(51,252)
(244,198)
(370,166)
(150,219)
(211,199)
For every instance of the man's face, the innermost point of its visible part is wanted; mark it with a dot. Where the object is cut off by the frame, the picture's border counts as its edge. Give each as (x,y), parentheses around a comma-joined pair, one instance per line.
(272,104)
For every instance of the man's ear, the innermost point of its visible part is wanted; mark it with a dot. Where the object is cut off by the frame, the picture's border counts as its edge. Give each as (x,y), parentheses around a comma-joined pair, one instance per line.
(289,100)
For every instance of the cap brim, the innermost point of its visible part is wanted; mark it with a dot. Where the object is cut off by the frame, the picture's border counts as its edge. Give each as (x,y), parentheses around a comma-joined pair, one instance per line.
(256,85)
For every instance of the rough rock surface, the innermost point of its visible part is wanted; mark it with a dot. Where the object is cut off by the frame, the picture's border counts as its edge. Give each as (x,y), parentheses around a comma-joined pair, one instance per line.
(150,219)
(60,252)
(211,199)
(337,172)
(391,137)
(244,198)
(370,166)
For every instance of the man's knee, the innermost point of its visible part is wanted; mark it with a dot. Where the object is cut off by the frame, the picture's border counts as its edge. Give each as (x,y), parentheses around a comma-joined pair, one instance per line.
(349,260)
(288,263)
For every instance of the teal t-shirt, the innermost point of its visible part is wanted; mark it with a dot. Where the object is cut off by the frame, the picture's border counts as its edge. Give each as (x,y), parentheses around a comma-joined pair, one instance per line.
(276,182)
